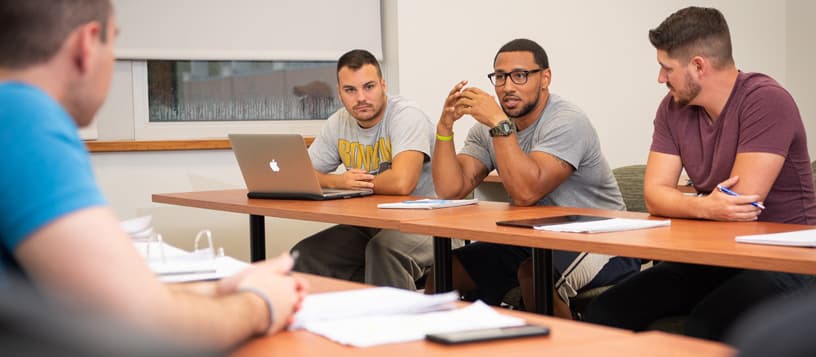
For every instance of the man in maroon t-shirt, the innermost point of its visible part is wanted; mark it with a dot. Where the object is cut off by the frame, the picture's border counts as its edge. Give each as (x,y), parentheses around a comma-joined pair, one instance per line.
(741,131)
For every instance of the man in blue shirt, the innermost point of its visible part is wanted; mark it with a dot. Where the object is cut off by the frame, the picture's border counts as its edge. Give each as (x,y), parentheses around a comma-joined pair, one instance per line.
(55,226)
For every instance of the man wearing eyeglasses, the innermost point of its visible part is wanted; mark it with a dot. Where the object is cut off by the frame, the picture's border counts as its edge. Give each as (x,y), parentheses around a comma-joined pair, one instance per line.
(546,152)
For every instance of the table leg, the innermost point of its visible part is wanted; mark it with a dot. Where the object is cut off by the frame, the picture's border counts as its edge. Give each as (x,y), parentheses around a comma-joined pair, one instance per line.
(543,280)
(443,277)
(257,238)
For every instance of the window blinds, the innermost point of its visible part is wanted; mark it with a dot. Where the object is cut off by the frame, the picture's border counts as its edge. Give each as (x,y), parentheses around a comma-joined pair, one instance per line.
(280,30)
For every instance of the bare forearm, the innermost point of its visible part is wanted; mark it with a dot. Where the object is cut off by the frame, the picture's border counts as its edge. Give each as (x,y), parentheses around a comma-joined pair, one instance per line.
(328,180)
(670,202)
(448,175)
(203,288)
(219,322)
(391,182)
(522,178)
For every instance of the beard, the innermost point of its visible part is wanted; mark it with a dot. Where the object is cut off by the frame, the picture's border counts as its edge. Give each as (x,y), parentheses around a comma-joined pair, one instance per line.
(690,92)
(372,113)
(526,109)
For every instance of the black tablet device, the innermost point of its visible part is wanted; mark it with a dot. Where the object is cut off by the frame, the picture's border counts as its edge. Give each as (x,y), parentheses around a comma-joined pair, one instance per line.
(549,221)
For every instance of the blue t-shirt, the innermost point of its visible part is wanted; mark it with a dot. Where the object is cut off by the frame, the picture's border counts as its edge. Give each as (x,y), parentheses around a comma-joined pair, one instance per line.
(46,168)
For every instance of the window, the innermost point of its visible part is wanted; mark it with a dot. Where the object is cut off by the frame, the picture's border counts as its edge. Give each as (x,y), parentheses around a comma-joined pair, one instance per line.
(184,91)
(201,68)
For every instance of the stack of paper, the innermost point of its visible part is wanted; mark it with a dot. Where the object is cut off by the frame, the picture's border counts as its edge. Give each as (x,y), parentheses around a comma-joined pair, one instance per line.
(428,203)
(806,238)
(606,225)
(369,317)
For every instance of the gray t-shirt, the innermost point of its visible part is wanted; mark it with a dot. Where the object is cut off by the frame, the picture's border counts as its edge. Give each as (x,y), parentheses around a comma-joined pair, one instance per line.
(403,127)
(564,131)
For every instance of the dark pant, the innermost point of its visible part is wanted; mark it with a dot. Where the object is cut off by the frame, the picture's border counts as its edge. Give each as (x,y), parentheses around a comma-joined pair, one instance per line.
(712,297)
(494,269)
(782,327)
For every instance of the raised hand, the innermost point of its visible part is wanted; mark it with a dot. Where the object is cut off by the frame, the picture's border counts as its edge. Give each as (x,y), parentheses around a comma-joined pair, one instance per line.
(449,114)
(480,105)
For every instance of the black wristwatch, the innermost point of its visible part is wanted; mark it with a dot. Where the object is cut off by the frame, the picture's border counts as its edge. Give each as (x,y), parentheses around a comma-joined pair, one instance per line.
(503,128)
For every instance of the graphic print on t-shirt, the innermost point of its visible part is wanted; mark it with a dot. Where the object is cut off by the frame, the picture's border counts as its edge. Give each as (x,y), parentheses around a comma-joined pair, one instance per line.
(367,157)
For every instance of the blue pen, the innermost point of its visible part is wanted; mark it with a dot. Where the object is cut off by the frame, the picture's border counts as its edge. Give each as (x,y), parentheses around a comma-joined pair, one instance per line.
(732,193)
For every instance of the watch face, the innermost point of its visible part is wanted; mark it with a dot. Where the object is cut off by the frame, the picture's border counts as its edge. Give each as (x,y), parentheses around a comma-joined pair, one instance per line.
(504,128)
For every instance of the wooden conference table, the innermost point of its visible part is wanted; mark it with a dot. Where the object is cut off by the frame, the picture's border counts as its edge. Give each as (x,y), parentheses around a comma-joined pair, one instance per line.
(360,211)
(575,338)
(687,241)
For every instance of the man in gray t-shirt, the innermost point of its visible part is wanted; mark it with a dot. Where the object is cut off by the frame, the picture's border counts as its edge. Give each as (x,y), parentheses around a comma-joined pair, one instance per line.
(547,153)
(385,144)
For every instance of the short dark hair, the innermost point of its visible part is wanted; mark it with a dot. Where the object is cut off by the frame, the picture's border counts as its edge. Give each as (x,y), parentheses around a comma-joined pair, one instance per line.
(32,31)
(695,31)
(525,45)
(356,59)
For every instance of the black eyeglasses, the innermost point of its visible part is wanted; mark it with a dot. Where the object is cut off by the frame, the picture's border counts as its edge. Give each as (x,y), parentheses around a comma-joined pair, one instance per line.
(518,76)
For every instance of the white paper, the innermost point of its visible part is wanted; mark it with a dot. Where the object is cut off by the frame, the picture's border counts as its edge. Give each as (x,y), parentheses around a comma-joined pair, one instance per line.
(376,330)
(224,267)
(606,225)
(369,302)
(428,203)
(139,227)
(806,238)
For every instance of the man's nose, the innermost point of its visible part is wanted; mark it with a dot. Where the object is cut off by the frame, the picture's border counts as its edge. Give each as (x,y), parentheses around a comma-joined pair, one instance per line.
(661,77)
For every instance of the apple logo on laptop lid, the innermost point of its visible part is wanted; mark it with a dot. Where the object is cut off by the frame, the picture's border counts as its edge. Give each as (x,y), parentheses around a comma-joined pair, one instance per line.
(274,166)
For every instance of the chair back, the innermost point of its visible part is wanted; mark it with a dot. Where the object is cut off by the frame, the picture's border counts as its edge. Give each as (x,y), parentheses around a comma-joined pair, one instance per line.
(630,183)
(813,165)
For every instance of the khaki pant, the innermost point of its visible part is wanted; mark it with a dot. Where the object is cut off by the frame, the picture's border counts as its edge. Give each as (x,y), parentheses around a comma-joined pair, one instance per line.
(374,256)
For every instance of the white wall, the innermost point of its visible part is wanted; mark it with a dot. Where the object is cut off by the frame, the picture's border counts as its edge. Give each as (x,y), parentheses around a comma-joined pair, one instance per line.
(801,76)
(600,57)
(599,53)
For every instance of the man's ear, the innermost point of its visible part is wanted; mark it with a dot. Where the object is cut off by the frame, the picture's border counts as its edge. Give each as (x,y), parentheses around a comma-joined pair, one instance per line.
(546,76)
(699,67)
(85,44)
(699,64)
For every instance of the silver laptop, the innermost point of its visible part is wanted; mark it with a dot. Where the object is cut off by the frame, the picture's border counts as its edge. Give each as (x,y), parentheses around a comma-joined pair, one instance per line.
(278,166)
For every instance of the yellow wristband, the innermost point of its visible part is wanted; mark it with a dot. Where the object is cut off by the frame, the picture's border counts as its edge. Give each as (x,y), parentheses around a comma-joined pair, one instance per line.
(444,138)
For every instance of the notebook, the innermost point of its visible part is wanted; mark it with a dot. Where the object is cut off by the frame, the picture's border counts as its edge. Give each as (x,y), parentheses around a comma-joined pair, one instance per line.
(805,238)
(585,224)
(278,166)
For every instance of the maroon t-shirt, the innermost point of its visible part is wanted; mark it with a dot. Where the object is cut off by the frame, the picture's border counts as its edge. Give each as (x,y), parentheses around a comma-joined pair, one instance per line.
(760,116)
